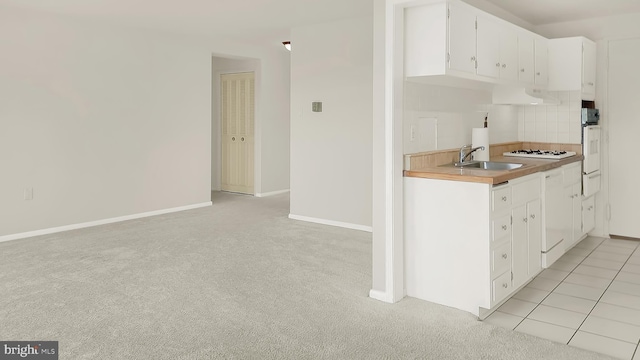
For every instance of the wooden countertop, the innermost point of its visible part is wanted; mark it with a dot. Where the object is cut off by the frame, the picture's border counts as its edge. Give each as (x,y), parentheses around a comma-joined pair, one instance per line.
(491,176)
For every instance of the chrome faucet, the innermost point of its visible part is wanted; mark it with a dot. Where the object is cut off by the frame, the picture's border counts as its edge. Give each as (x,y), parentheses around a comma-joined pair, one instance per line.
(464,155)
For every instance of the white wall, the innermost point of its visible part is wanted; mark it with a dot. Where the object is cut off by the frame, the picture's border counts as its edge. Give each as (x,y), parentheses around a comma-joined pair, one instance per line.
(443,117)
(331,151)
(105,121)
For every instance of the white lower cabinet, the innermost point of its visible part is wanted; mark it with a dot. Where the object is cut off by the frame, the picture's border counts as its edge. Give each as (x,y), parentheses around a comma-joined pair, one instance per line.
(471,245)
(526,240)
(573,190)
(588,214)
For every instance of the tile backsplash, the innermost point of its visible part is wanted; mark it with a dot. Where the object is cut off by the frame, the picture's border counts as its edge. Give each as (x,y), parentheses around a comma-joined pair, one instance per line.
(438,117)
(552,123)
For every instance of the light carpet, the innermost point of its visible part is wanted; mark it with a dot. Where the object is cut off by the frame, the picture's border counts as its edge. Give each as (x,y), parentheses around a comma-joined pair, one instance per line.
(237,280)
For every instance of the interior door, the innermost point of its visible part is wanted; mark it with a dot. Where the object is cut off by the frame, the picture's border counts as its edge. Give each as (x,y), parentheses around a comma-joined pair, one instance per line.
(237,121)
(624,128)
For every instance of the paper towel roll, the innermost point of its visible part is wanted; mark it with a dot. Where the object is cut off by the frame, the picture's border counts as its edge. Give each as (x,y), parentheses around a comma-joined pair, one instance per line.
(480,137)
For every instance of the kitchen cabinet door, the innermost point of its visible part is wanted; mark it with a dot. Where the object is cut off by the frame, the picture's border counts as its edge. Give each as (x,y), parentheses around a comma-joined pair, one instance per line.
(541,64)
(488,47)
(508,54)
(519,246)
(534,236)
(572,66)
(526,242)
(525,59)
(589,70)
(576,191)
(462,38)
(588,214)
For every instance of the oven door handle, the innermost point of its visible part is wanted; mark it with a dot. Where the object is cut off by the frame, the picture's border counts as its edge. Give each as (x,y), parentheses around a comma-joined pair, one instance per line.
(595,176)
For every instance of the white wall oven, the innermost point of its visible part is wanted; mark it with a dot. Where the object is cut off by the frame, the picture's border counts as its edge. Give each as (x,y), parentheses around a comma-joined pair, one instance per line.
(591,150)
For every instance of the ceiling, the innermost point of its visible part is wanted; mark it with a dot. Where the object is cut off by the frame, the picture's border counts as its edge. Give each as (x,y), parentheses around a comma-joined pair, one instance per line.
(249,19)
(540,12)
(261,19)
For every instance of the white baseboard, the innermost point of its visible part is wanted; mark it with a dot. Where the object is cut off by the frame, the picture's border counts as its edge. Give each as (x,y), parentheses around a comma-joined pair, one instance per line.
(100,222)
(271,193)
(380,295)
(332,223)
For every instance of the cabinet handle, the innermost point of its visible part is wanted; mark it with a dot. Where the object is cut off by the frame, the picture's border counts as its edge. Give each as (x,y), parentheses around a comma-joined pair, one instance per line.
(233,138)
(521,70)
(590,84)
(538,73)
(504,227)
(525,220)
(242,138)
(473,58)
(497,64)
(504,256)
(504,198)
(590,208)
(533,216)
(504,66)
(505,285)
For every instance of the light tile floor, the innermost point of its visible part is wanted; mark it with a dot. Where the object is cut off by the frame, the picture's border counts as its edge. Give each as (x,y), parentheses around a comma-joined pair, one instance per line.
(589,298)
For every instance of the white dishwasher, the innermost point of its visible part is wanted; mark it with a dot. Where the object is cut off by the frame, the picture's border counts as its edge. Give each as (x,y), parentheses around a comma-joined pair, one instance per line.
(555,212)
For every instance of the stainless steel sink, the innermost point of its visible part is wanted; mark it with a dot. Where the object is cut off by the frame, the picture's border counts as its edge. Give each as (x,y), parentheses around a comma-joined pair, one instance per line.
(485,165)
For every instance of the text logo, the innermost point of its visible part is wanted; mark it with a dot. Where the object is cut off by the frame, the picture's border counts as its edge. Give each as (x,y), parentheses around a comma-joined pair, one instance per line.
(40,350)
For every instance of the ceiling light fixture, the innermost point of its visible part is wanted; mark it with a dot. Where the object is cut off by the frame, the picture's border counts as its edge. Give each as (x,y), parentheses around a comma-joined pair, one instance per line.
(287,45)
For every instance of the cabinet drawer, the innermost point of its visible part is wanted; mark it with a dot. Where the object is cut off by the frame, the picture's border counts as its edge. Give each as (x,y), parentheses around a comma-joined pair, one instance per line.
(526,191)
(501,198)
(501,287)
(501,259)
(500,228)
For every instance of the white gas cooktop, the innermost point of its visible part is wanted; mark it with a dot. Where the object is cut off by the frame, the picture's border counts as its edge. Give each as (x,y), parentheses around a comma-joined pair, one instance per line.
(540,154)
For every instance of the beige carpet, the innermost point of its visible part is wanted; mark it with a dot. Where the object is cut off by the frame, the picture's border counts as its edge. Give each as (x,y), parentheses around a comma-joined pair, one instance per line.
(236,280)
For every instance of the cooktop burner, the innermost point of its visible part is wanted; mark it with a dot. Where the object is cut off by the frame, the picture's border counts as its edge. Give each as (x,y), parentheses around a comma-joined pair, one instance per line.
(541,154)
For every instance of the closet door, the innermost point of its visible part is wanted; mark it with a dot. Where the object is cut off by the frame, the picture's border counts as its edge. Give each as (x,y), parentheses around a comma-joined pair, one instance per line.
(237,120)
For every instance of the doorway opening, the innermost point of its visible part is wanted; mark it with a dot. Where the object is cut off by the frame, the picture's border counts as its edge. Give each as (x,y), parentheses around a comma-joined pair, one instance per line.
(234,127)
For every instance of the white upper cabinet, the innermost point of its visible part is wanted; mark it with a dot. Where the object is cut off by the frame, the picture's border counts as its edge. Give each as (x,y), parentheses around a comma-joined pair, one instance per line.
(497,50)
(440,39)
(455,39)
(572,66)
(462,37)
(541,65)
(525,58)
(589,70)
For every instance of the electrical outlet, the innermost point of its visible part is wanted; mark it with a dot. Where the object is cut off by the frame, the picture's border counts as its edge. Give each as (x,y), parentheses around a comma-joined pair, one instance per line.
(28,193)
(413,132)
(316,106)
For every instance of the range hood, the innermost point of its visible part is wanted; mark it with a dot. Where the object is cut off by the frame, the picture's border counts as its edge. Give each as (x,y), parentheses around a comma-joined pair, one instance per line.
(508,95)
